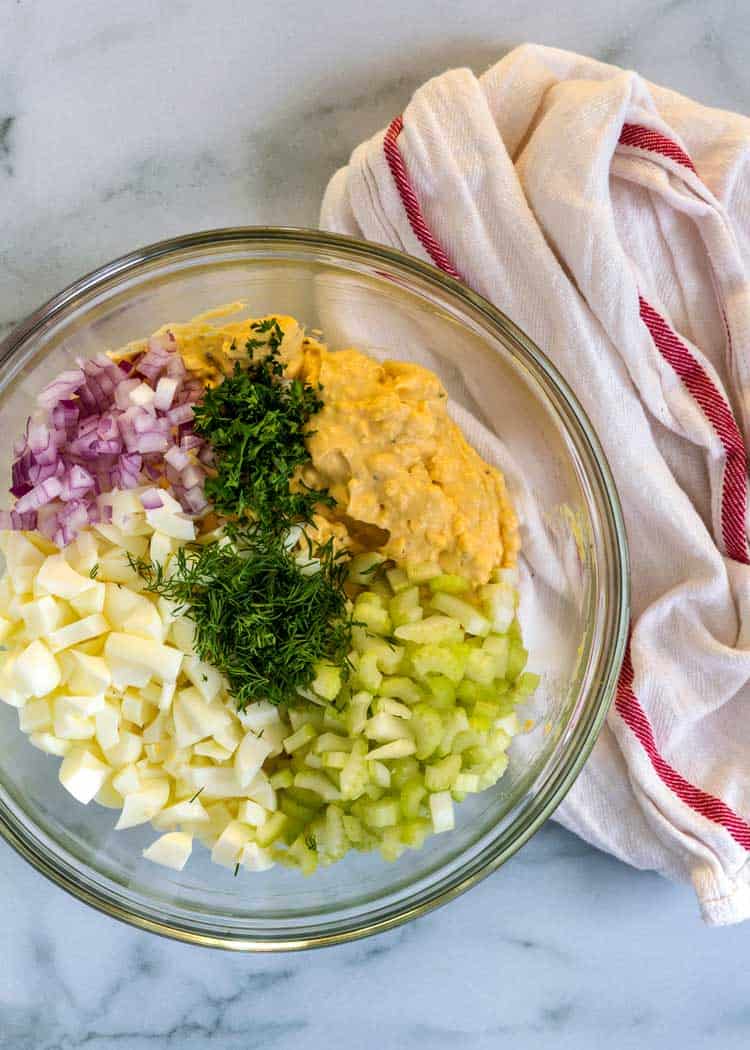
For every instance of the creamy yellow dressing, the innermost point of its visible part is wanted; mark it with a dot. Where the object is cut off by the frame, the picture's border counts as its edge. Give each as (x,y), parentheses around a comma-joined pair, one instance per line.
(404,477)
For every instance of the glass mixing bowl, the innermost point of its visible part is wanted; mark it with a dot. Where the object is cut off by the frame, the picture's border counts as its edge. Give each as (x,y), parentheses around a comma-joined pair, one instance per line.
(380,300)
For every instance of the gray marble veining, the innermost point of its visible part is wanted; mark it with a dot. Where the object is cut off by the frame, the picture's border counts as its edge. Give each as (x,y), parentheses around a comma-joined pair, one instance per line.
(120,126)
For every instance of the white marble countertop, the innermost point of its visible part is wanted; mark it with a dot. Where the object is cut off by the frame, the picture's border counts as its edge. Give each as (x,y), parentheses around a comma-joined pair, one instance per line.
(119,127)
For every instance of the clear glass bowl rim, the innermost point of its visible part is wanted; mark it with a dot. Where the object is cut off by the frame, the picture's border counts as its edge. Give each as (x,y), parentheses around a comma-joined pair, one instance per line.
(609,658)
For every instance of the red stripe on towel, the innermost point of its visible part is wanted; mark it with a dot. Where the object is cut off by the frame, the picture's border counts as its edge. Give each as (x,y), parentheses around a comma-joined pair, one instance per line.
(640,137)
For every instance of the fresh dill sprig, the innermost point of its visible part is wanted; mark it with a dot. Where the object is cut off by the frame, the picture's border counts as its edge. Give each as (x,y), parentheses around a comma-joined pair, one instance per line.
(256,423)
(259,619)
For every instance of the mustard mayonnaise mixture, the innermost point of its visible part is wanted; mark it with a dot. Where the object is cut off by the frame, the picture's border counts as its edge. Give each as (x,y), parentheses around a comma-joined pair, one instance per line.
(405,480)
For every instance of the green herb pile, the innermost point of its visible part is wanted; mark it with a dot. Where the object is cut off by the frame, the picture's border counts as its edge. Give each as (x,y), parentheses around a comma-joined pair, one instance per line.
(260,617)
(256,425)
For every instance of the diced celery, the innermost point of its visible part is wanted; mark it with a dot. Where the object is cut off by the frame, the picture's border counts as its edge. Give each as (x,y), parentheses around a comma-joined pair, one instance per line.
(468,692)
(448,583)
(332,742)
(470,618)
(303,736)
(427,727)
(319,783)
(306,857)
(374,617)
(415,832)
(333,837)
(432,630)
(398,580)
(412,794)
(448,661)
(335,759)
(355,775)
(401,688)
(517,658)
(498,646)
(443,691)
(387,655)
(527,684)
(423,571)
(403,770)
(394,749)
(464,739)
(454,722)
(391,707)
(381,814)
(405,608)
(367,671)
(313,761)
(327,681)
(480,666)
(391,846)
(385,727)
(380,773)
(353,828)
(499,601)
(293,809)
(282,778)
(272,829)
(357,714)
(362,567)
(441,809)
(466,783)
(441,775)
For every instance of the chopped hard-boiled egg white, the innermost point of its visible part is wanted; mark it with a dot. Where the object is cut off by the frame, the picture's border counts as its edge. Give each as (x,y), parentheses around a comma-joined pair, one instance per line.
(104,675)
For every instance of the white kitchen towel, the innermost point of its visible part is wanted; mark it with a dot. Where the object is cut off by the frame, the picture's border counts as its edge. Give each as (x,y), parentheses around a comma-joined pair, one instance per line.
(610,219)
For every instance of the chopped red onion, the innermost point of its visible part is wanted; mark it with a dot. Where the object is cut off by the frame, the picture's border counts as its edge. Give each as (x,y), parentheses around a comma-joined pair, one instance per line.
(89,437)
(151,499)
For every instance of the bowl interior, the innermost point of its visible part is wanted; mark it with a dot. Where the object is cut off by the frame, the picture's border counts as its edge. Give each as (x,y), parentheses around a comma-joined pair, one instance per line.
(573,606)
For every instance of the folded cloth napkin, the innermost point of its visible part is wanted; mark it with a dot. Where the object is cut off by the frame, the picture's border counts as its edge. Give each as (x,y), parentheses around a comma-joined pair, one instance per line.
(610,219)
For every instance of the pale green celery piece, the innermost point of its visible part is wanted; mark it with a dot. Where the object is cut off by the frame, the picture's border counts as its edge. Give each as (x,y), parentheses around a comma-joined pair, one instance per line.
(412,794)
(481,666)
(353,828)
(358,712)
(401,688)
(391,846)
(367,671)
(362,567)
(449,583)
(433,629)
(391,707)
(302,736)
(327,682)
(381,814)
(335,759)
(442,690)
(527,684)
(374,617)
(403,770)
(517,658)
(397,579)
(442,660)
(332,742)
(499,647)
(405,608)
(272,829)
(423,571)
(427,726)
(415,833)
(318,782)
(282,778)
(379,772)
(470,618)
